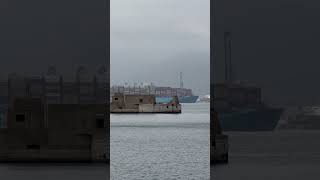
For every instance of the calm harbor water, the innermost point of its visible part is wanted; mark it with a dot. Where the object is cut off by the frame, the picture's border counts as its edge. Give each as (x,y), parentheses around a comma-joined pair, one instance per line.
(161,146)
(53,171)
(278,155)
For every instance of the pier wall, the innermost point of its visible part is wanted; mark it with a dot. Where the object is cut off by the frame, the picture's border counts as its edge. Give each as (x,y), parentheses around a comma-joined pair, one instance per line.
(58,132)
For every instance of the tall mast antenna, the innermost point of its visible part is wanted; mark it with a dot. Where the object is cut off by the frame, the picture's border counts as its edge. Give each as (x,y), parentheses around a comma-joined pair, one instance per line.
(181,80)
(228,61)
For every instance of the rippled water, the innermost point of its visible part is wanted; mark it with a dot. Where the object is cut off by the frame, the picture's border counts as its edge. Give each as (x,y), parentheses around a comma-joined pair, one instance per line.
(53,171)
(278,155)
(161,146)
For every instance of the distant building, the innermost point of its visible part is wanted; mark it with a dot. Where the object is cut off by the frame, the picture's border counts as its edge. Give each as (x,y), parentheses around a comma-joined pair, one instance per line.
(55,132)
(44,118)
(53,89)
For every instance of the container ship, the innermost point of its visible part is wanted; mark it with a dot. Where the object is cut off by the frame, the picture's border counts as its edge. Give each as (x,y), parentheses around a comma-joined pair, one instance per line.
(240,108)
(239,104)
(162,94)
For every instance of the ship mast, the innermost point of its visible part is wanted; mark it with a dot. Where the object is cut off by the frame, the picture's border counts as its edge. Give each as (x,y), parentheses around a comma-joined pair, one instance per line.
(227,56)
(181,80)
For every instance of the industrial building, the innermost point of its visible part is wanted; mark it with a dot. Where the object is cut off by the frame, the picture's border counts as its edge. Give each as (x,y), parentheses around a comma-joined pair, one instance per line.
(55,132)
(47,119)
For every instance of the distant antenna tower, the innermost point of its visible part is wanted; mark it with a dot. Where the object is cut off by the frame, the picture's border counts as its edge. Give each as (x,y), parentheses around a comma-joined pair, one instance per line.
(181,80)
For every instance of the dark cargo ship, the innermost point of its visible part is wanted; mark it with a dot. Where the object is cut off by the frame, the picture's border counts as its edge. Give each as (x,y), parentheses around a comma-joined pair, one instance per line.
(239,104)
(240,108)
(265,119)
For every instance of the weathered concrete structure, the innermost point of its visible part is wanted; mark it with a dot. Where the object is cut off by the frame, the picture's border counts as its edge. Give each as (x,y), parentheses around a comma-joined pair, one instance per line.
(219,141)
(55,116)
(142,104)
(55,132)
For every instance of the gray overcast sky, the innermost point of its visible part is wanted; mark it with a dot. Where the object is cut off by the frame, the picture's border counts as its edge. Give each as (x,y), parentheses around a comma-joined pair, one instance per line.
(275,44)
(36,34)
(152,41)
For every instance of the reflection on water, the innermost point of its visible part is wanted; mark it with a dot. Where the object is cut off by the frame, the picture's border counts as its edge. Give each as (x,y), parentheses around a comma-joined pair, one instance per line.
(161,146)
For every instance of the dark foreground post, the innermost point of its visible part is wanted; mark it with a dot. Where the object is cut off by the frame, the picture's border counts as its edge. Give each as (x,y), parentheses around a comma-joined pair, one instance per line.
(219,142)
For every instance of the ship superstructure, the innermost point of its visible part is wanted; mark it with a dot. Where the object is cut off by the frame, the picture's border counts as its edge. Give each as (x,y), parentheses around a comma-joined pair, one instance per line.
(240,108)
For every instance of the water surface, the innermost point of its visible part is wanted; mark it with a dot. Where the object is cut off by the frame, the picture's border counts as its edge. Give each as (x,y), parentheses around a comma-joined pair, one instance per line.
(161,146)
(278,155)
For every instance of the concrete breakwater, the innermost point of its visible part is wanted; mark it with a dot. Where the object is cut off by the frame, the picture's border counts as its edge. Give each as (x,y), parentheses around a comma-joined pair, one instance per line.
(143,104)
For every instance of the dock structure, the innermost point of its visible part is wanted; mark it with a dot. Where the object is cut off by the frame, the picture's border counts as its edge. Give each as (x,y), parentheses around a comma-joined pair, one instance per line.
(142,104)
(46,119)
(54,132)
(219,141)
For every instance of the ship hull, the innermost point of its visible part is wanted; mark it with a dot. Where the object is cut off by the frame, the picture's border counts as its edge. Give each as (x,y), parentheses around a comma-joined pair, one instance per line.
(254,120)
(188,99)
(182,99)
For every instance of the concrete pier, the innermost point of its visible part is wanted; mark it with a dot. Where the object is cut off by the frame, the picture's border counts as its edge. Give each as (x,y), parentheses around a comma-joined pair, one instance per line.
(39,132)
(219,141)
(142,104)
